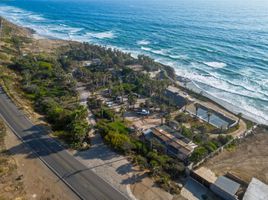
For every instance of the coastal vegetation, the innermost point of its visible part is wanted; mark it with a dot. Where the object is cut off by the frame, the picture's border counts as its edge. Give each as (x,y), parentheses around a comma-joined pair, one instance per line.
(49,79)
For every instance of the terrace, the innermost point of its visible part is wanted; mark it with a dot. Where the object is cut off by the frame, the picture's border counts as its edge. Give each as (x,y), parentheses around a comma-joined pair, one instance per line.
(213,117)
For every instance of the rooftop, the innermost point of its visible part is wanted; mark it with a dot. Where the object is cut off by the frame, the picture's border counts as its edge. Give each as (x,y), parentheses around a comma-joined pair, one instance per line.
(227,185)
(173,89)
(257,190)
(183,144)
(206,174)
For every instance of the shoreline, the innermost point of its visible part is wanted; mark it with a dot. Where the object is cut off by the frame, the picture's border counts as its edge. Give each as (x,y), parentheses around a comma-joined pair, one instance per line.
(191,85)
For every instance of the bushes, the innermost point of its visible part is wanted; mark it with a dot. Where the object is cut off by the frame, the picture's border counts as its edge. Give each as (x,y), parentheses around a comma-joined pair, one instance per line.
(182,118)
(116,135)
(119,141)
(105,113)
(141,161)
(199,153)
(45,65)
(105,126)
(47,85)
(187,132)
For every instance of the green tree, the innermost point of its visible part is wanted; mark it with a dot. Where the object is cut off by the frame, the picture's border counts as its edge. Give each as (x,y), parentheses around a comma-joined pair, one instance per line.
(132,99)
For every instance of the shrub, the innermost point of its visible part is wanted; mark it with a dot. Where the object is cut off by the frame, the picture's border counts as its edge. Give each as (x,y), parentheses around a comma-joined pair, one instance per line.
(198,154)
(45,65)
(141,161)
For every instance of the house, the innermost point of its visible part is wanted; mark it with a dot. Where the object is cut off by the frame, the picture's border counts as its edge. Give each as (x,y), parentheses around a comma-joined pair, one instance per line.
(175,96)
(256,190)
(174,142)
(88,63)
(96,61)
(225,188)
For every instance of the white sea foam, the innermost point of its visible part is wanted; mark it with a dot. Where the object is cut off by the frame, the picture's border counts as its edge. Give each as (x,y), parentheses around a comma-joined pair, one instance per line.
(223,91)
(178,56)
(146,48)
(143,42)
(17,15)
(215,64)
(102,35)
(51,29)
(157,52)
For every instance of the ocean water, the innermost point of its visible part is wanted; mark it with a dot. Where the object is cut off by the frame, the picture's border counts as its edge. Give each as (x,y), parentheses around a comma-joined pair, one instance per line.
(222,45)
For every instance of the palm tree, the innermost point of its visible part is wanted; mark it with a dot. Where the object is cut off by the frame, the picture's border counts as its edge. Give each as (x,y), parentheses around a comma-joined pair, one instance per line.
(122,112)
(162,110)
(239,115)
(167,117)
(196,109)
(186,104)
(132,99)
(209,113)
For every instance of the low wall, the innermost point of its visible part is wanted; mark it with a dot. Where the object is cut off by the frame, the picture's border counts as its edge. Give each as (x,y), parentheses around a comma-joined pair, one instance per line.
(220,149)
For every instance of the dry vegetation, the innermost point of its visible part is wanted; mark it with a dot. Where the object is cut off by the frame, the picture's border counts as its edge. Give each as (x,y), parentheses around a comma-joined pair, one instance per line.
(11,184)
(246,160)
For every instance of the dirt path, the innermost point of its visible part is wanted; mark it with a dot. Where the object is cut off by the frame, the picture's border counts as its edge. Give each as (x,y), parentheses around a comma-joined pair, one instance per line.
(39,182)
(248,159)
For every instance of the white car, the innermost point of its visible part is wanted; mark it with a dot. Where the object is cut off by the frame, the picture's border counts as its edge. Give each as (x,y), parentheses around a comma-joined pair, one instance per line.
(109,104)
(143,112)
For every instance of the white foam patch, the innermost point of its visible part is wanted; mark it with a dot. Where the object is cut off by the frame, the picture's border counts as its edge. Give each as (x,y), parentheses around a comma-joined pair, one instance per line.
(161,52)
(102,35)
(178,56)
(143,42)
(146,48)
(215,64)
(50,28)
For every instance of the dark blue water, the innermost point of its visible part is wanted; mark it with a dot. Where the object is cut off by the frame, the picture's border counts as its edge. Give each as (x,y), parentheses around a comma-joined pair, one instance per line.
(220,44)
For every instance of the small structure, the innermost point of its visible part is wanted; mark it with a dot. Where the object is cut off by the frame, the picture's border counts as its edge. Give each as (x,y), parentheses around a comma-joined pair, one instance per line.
(88,63)
(256,190)
(204,176)
(175,143)
(136,68)
(225,188)
(175,96)
(96,61)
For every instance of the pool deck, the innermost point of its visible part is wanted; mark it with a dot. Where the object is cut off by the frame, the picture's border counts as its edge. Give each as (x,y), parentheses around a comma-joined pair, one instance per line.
(242,125)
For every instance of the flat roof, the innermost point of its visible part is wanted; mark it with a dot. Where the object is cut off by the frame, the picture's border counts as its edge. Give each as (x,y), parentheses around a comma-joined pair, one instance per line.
(173,89)
(256,190)
(227,185)
(206,174)
(164,135)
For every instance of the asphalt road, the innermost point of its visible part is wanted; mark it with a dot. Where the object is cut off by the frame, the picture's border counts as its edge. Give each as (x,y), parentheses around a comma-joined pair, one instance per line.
(81,180)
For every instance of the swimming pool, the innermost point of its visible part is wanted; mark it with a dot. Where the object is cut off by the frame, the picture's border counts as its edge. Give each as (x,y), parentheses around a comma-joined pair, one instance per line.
(216,119)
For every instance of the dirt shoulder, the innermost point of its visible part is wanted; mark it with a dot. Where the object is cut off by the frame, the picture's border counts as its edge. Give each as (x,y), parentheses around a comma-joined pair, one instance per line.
(246,160)
(38,181)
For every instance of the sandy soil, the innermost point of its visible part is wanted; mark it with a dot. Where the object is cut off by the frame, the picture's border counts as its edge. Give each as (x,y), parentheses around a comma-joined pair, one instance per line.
(248,159)
(39,182)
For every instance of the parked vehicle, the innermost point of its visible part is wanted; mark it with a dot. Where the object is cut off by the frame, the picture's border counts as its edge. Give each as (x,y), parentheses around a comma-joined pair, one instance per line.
(143,112)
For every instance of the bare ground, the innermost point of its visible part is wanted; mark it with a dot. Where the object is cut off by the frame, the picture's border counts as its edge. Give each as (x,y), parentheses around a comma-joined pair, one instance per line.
(248,159)
(37,180)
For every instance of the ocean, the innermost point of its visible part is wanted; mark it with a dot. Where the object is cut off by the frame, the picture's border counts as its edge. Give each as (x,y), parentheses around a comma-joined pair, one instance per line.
(222,45)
